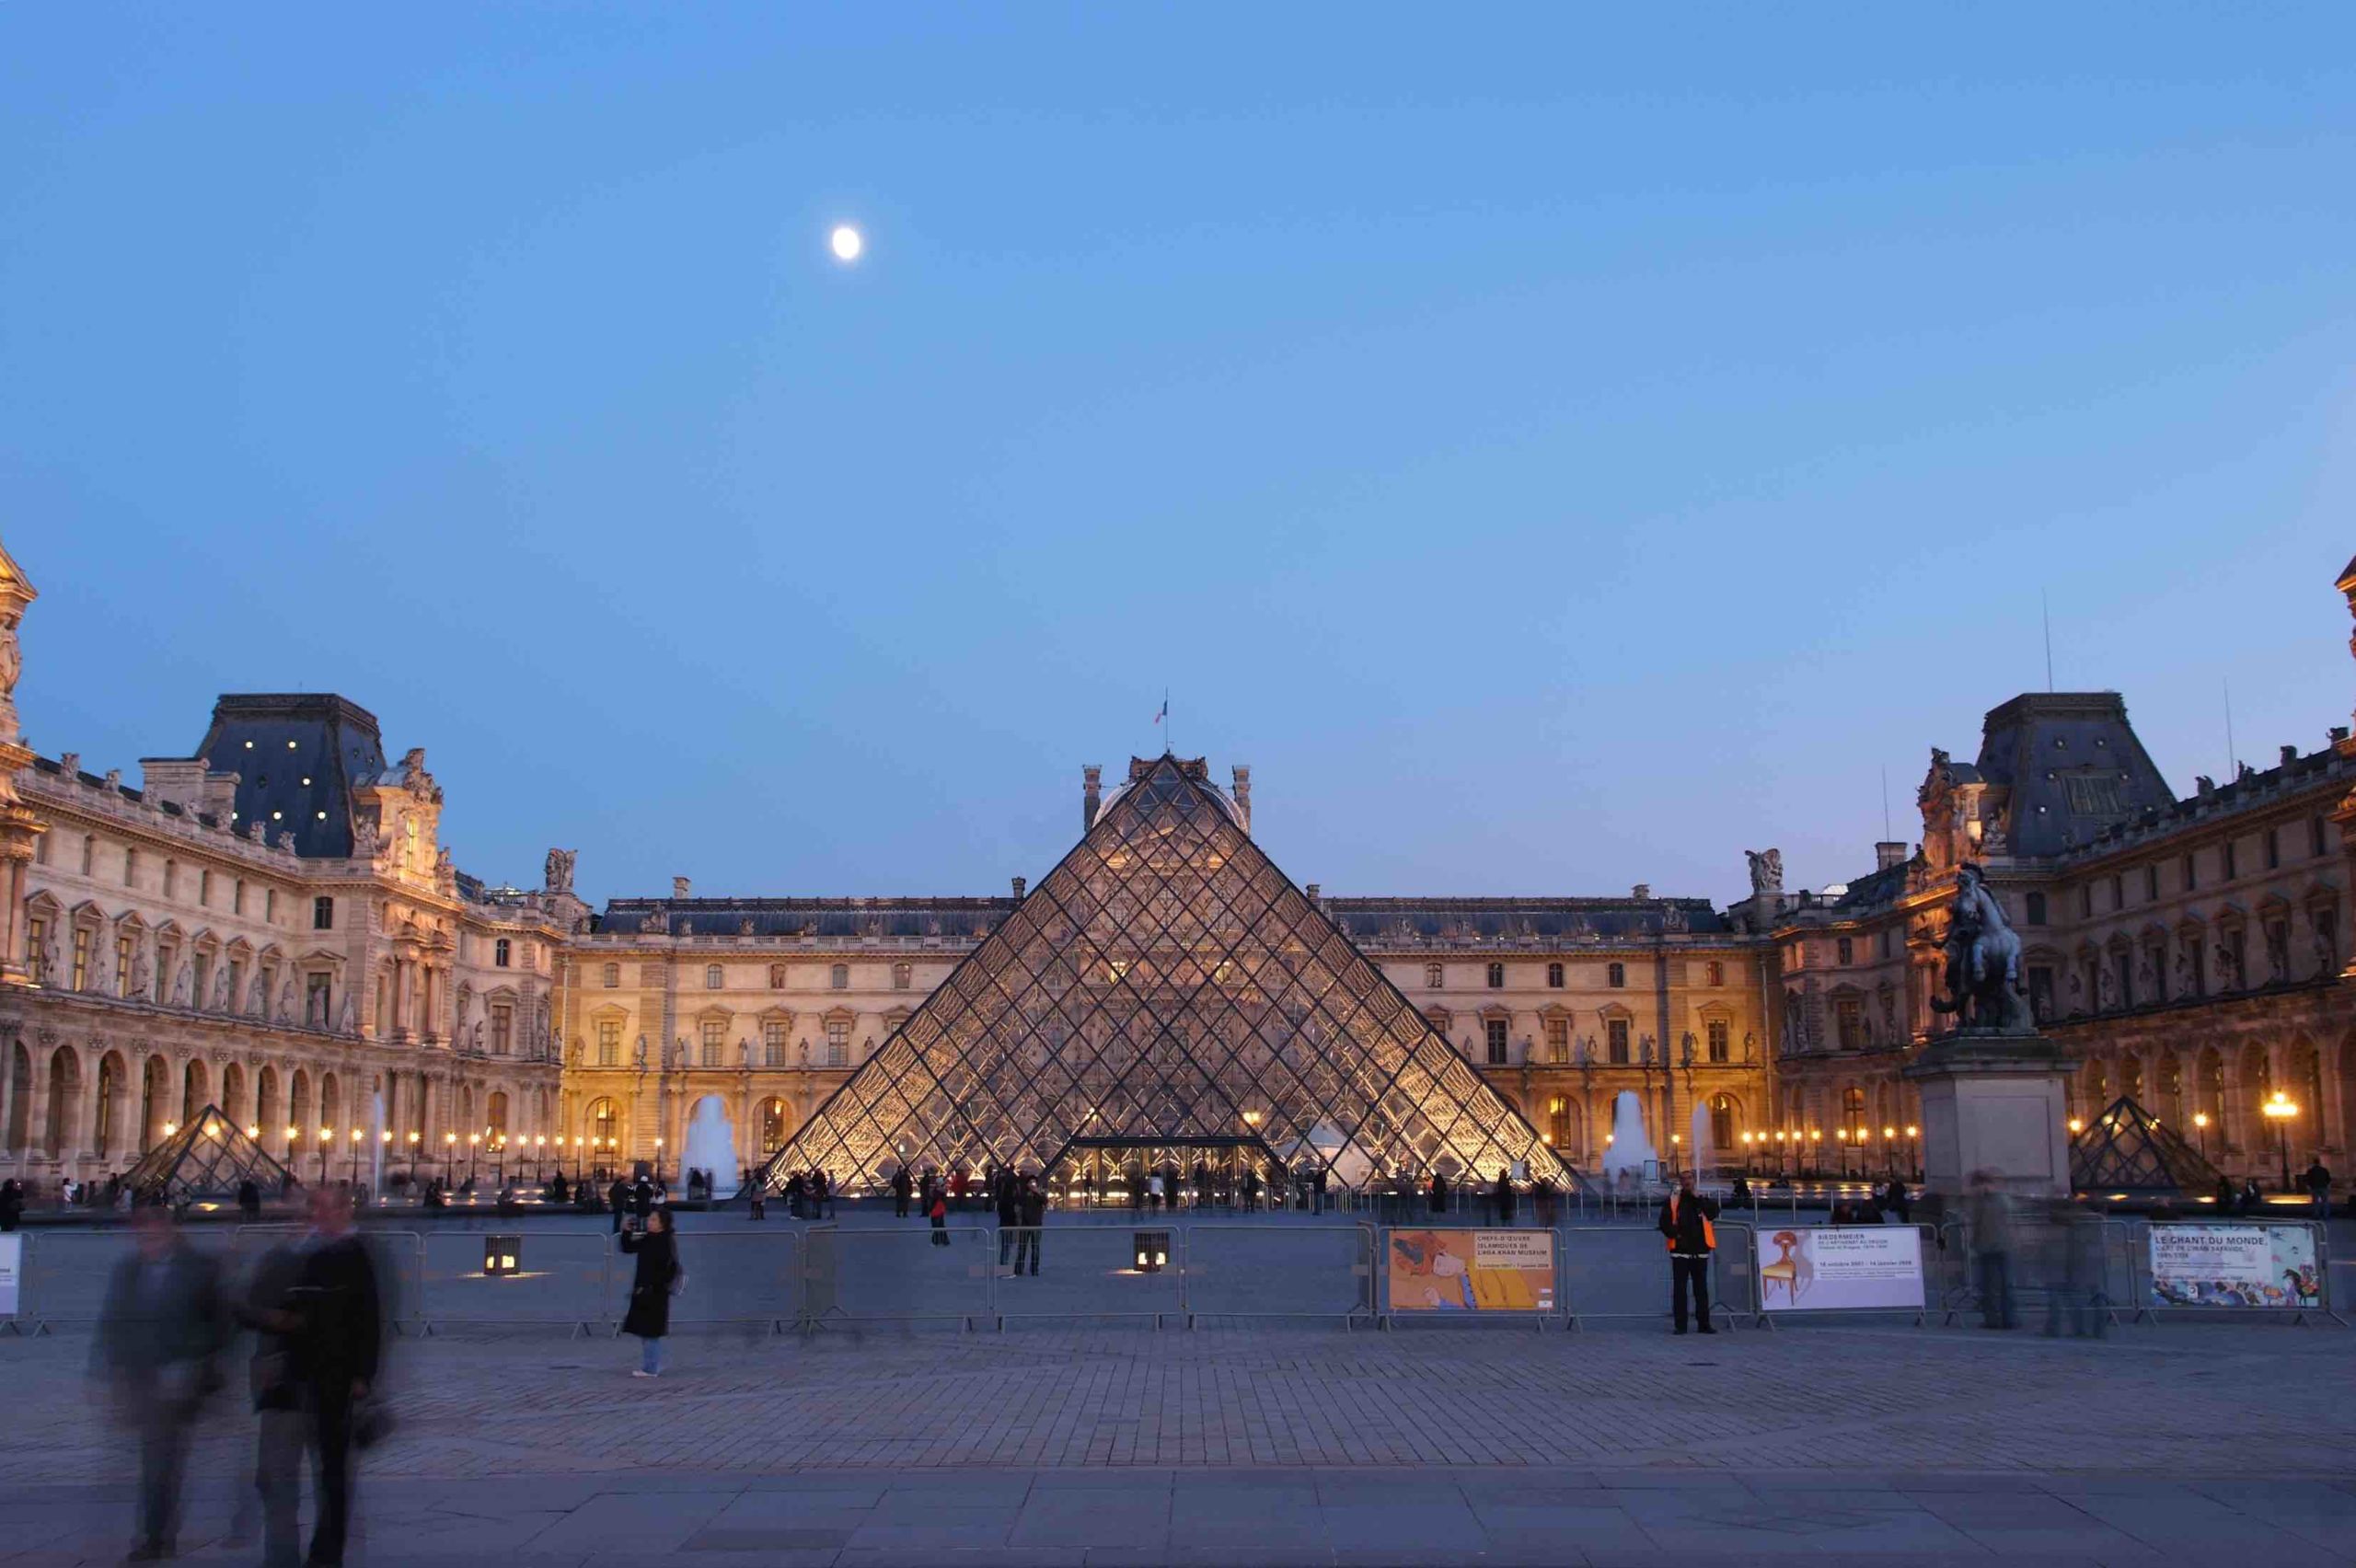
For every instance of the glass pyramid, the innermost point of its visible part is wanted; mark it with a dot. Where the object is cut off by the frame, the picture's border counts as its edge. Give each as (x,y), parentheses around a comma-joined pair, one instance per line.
(2127,1149)
(206,1159)
(1165,986)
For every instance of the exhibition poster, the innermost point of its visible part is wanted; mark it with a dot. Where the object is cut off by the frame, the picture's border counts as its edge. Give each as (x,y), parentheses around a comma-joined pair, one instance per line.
(1472,1271)
(1829,1268)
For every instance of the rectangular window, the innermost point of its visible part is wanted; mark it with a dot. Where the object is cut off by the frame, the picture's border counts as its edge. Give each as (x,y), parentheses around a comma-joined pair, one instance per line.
(1719,1031)
(612,976)
(205,889)
(81,958)
(610,1043)
(2085,901)
(1494,1029)
(171,877)
(238,897)
(503,1029)
(122,966)
(1616,976)
(40,850)
(2233,868)
(1496,976)
(89,852)
(902,975)
(1715,972)
(1849,1022)
(1554,976)
(201,970)
(131,868)
(714,978)
(501,953)
(837,1041)
(773,1043)
(838,977)
(2152,883)
(323,914)
(715,1039)
(2117,891)
(37,953)
(1848,952)
(1615,1040)
(2191,879)
(2274,848)
(269,904)
(2315,835)
(1558,1040)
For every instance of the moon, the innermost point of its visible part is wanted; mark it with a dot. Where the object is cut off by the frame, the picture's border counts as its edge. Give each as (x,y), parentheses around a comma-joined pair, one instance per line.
(846,242)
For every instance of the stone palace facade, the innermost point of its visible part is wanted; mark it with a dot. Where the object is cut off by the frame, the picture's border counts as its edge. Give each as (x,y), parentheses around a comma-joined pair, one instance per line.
(271,926)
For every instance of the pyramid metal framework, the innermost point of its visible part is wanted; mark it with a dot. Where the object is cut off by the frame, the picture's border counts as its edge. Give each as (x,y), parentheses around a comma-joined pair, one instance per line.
(2127,1149)
(206,1159)
(1164,983)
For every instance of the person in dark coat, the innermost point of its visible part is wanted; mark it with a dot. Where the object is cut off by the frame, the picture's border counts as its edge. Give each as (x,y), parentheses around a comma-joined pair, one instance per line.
(160,1334)
(657,1277)
(1686,1219)
(12,1204)
(936,1209)
(620,1200)
(1504,1198)
(901,1188)
(249,1199)
(642,1198)
(2317,1182)
(1317,1191)
(339,1349)
(1010,1217)
(270,1310)
(1034,1218)
(1440,1193)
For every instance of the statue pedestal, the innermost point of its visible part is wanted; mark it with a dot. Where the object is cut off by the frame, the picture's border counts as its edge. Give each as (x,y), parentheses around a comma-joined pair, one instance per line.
(1994,1103)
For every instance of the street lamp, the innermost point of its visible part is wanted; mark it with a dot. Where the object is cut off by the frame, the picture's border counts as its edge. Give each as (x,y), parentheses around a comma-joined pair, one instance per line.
(539,1153)
(412,1160)
(450,1159)
(474,1141)
(1675,1140)
(355,1157)
(1914,1149)
(658,1161)
(327,1141)
(2279,1110)
(1815,1152)
(1890,1142)
(2200,1121)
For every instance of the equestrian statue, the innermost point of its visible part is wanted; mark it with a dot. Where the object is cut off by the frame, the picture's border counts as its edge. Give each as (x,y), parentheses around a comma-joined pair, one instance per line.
(1983,961)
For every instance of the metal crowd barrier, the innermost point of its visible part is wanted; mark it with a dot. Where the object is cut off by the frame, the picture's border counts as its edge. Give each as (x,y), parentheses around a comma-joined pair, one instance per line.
(1246,1271)
(1093,1271)
(515,1278)
(741,1277)
(913,1273)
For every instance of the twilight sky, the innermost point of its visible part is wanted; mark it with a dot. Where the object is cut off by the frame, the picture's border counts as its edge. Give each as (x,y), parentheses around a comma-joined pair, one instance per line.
(1557,448)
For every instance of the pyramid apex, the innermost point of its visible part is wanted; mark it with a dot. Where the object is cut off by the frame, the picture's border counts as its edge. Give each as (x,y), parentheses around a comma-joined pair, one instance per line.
(1142,767)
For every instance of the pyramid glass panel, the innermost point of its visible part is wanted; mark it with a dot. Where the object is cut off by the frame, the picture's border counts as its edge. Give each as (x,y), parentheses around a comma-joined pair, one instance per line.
(2128,1149)
(1165,996)
(210,1158)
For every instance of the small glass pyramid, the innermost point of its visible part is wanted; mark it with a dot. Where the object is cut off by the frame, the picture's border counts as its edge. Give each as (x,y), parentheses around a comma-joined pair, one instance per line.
(1165,990)
(2127,1149)
(206,1159)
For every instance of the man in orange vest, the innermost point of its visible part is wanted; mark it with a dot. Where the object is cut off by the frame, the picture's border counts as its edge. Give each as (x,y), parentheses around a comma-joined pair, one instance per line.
(1685,1219)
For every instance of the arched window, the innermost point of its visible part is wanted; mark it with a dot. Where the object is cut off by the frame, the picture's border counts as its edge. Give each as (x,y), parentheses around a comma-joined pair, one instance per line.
(495,1119)
(839,977)
(1434,976)
(1496,976)
(613,976)
(605,1125)
(714,978)
(772,1126)
(1721,1122)
(1852,1108)
(1558,1123)
(1616,976)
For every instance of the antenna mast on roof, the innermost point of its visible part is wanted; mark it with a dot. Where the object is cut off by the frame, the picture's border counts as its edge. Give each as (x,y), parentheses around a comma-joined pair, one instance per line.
(2045,610)
(1884,802)
(2232,763)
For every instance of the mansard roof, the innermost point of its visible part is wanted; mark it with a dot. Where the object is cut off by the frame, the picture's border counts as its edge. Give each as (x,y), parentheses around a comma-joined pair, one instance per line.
(1504,919)
(824,918)
(297,757)
(2074,764)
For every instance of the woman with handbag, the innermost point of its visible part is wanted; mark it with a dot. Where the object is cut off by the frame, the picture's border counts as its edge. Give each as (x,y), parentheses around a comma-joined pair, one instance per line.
(659,1278)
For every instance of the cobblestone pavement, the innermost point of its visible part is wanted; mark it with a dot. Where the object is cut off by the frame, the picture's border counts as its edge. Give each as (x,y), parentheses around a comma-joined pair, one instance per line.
(1294,1444)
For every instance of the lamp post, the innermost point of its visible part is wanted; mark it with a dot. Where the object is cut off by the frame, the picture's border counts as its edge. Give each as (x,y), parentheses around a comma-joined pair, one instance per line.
(474,1142)
(1816,1150)
(658,1161)
(2200,1123)
(327,1142)
(290,1149)
(412,1162)
(2279,1110)
(1676,1143)
(539,1155)
(450,1160)
(1779,1153)
(1890,1147)
(1914,1149)
(355,1157)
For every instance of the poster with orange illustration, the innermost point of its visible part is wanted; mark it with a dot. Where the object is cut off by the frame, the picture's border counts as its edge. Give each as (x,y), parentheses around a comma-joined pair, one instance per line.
(1472,1271)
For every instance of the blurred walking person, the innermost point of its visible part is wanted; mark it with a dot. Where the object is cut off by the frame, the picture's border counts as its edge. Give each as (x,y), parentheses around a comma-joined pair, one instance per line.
(1009,1216)
(1989,1212)
(936,1209)
(12,1204)
(270,1309)
(901,1188)
(160,1337)
(1686,1219)
(1034,1218)
(1503,1197)
(337,1310)
(657,1279)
